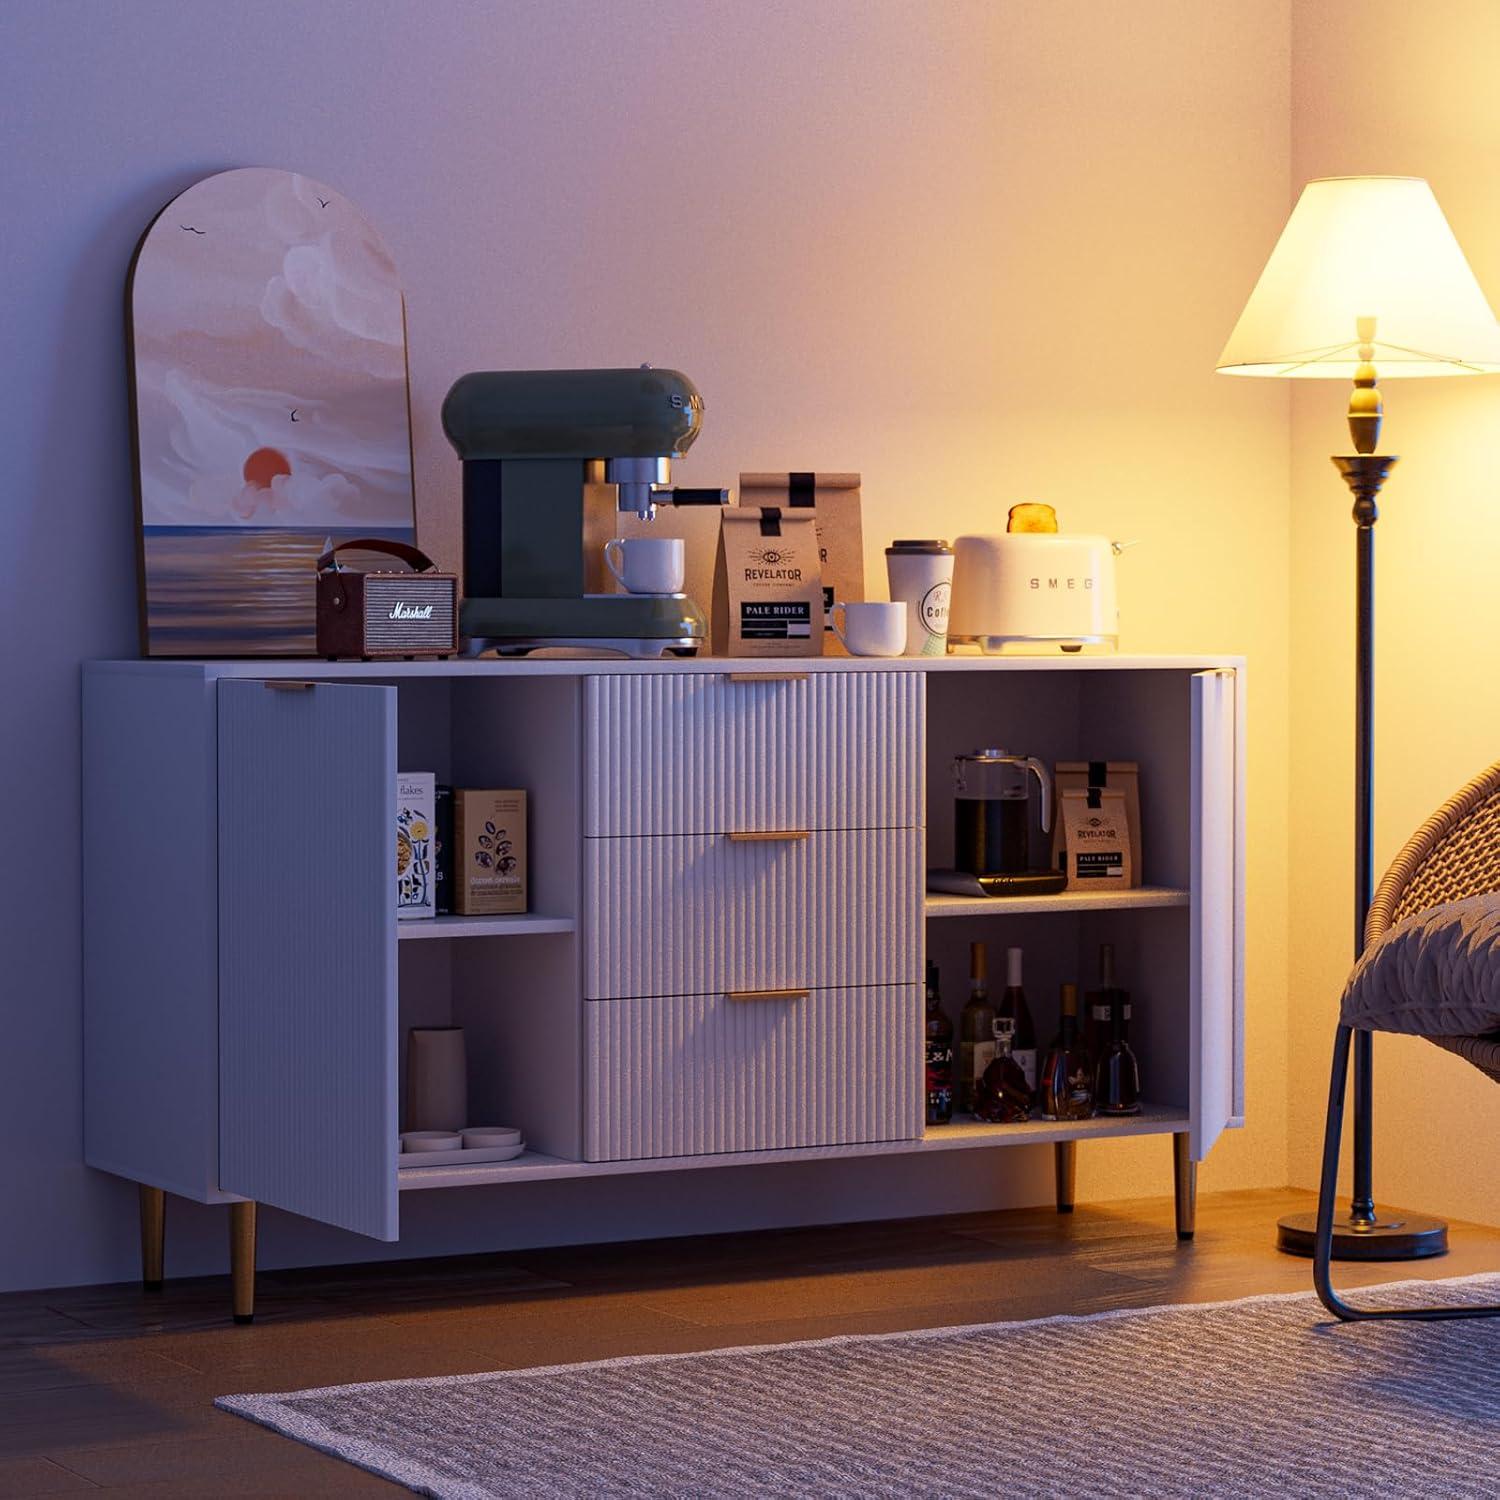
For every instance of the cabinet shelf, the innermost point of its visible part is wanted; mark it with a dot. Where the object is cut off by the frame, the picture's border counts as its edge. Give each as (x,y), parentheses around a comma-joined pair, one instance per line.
(939,905)
(472,927)
(534,1166)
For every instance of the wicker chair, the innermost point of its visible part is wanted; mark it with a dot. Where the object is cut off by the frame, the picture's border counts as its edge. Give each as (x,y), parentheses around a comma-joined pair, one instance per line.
(1455,854)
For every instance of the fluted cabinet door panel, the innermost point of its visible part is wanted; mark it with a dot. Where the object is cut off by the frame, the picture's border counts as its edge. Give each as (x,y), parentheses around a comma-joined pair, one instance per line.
(702,1074)
(700,913)
(307,951)
(705,754)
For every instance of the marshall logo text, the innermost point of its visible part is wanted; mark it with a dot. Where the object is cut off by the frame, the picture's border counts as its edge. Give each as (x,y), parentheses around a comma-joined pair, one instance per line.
(405,611)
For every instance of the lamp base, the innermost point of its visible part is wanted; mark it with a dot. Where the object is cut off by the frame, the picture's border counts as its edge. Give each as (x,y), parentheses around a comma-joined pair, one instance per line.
(1390,1237)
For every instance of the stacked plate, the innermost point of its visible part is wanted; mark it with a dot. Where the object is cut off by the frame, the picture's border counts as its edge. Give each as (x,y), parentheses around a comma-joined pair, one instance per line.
(461,1148)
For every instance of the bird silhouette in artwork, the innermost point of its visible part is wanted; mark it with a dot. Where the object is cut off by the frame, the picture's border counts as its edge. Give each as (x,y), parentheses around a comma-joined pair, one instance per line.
(191,230)
(295,410)
(323,202)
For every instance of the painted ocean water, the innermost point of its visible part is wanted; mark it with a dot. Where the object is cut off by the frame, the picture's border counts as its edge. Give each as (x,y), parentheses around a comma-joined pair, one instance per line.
(238,590)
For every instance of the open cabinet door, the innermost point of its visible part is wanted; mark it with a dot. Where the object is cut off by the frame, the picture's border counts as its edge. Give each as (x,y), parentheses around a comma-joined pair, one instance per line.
(1217,1044)
(307,950)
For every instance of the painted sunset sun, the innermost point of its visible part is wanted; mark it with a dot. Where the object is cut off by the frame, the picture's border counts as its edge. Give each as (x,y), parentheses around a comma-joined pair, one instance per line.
(269,377)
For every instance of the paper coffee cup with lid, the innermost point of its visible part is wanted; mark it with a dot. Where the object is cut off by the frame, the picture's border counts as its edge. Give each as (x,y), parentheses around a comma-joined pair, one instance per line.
(921,577)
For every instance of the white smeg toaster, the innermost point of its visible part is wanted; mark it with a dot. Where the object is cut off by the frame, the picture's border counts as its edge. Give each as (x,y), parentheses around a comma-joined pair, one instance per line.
(1028,589)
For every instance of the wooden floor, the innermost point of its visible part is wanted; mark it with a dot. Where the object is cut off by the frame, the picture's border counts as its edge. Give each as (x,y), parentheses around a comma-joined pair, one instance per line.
(109,1388)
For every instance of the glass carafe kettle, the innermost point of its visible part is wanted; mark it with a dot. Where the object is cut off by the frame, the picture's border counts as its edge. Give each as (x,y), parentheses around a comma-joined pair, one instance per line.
(992,817)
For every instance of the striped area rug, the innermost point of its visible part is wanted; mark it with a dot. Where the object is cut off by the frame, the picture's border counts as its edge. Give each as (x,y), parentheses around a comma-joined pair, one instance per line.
(1261,1397)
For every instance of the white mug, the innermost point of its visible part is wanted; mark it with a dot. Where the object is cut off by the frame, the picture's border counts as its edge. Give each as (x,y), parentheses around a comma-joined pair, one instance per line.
(871,629)
(647,564)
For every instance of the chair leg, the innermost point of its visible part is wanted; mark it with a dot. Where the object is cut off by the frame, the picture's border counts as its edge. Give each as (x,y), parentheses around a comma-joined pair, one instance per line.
(1065,1169)
(1327,1194)
(1185,1185)
(242,1260)
(153,1236)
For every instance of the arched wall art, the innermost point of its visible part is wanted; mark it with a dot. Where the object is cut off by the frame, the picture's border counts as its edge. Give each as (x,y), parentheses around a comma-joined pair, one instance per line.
(270,408)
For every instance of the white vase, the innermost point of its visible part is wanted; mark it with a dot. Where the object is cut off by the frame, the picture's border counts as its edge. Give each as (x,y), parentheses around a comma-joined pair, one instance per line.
(437,1079)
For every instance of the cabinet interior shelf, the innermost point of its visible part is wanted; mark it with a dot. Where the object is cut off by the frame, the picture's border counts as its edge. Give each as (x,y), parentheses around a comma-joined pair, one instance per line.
(534,1166)
(414,928)
(940,905)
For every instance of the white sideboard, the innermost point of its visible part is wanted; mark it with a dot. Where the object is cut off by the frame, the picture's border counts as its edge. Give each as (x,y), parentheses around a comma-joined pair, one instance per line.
(724,958)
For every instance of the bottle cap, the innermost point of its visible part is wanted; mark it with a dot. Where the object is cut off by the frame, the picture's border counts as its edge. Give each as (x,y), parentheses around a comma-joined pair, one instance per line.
(977,961)
(1070,999)
(1013,968)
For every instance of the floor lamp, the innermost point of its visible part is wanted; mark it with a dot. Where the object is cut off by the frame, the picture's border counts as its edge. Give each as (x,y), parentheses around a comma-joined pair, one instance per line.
(1366,273)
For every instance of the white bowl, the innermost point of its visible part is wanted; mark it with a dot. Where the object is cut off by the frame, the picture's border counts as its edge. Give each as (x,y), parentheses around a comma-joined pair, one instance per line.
(479,1137)
(431,1140)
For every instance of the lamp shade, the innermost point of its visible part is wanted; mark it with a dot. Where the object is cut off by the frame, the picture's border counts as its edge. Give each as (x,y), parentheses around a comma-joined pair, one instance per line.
(1360,248)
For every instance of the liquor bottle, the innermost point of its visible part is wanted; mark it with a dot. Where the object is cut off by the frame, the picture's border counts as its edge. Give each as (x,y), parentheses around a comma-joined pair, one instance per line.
(1013,1007)
(1096,1014)
(939,1054)
(976,1031)
(1003,1096)
(1068,1074)
(1117,1083)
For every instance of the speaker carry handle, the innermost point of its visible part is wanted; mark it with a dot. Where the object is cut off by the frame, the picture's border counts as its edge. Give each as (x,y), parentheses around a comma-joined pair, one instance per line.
(413,556)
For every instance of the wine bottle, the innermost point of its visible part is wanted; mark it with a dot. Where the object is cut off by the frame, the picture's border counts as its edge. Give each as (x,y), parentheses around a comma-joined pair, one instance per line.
(1096,1013)
(939,1054)
(1067,1075)
(1117,1083)
(1013,1007)
(976,1031)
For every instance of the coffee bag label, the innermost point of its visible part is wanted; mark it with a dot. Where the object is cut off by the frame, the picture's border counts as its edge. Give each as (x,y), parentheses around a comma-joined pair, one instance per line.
(775,622)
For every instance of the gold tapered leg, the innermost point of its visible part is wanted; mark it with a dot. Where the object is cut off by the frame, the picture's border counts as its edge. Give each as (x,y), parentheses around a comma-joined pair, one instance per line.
(153,1237)
(1185,1178)
(1065,1165)
(242,1260)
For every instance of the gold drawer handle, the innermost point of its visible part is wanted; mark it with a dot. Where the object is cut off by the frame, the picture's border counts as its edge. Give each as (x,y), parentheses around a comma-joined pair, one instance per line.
(288,685)
(766,994)
(767,676)
(769,836)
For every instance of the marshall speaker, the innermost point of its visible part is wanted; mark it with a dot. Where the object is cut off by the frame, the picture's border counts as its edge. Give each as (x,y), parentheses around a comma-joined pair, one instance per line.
(385,614)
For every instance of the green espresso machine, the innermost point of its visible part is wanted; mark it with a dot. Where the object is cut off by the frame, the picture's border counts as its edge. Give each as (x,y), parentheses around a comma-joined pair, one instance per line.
(530,441)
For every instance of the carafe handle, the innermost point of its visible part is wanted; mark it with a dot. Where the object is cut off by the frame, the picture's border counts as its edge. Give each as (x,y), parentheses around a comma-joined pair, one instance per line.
(1044,779)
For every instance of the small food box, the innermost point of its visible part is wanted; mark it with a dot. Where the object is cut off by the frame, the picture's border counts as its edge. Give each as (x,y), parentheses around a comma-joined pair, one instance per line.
(416,888)
(489,852)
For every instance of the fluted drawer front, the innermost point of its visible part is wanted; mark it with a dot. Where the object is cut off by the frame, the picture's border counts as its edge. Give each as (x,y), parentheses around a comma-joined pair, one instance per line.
(698,1074)
(689,915)
(691,753)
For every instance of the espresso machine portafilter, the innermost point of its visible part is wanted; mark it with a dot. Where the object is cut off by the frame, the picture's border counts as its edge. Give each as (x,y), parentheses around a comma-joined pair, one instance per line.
(528,440)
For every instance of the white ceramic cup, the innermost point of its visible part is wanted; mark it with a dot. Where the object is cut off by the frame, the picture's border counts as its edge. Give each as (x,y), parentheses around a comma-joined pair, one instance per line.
(647,564)
(871,629)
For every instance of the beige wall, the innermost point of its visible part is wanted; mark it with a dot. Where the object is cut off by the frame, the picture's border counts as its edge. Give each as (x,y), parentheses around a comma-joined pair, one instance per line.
(981,252)
(966,250)
(1387,86)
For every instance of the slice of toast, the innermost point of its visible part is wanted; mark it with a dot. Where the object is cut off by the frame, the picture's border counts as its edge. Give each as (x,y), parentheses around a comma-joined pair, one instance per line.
(1033,517)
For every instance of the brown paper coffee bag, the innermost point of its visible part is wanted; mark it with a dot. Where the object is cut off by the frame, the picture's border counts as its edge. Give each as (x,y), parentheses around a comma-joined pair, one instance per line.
(1119,775)
(1096,839)
(835,504)
(768,586)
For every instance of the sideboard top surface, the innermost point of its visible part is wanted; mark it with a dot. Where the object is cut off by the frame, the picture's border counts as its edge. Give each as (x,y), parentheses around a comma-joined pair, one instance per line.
(578,666)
